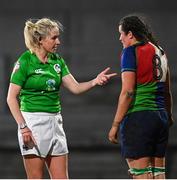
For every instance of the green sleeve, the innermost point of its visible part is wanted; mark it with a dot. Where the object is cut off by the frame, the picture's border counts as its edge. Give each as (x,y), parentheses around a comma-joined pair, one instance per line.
(65,70)
(19,73)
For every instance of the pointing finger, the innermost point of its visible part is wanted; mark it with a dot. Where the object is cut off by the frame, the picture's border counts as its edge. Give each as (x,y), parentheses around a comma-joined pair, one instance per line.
(111,75)
(106,70)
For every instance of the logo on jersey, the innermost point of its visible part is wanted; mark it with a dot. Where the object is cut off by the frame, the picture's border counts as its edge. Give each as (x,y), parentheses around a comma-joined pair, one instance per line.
(50,84)
(57,68)
(39,71)
(16,67)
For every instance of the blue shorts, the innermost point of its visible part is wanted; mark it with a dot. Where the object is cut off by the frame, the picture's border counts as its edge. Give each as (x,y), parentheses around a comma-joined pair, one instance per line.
(144,134)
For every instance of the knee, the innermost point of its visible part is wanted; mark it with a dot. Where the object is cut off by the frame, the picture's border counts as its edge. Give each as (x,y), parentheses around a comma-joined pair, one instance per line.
(59,176)
(34,175)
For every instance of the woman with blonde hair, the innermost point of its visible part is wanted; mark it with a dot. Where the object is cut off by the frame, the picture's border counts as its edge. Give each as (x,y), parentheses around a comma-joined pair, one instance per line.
(36,79)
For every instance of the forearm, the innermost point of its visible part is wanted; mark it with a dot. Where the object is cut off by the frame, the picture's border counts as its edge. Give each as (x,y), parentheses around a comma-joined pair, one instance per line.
(122,108)
(168,95)
(83,87)
(169,104)
(75,87)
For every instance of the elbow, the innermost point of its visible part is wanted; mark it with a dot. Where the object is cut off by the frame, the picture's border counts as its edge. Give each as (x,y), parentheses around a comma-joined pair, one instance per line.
(76,92)
(129,94)
(8,100)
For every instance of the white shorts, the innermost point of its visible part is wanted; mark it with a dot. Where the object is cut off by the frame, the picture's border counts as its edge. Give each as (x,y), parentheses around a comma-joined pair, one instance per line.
(47,130)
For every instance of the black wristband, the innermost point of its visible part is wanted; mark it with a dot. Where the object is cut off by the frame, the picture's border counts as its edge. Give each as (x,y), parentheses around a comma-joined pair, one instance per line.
(22,125)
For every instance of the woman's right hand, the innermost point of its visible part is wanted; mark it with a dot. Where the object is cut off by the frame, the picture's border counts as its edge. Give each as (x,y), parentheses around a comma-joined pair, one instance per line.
(103,77)
(113,133)
(28,138)
(170,121)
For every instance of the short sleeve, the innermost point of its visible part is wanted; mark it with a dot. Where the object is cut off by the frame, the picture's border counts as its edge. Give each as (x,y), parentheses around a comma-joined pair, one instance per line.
(128,59)
(19,74)
(65,69)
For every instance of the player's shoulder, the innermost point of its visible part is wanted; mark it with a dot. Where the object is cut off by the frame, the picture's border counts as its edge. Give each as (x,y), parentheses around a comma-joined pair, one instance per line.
(129,49)
(25,57)
(128,52)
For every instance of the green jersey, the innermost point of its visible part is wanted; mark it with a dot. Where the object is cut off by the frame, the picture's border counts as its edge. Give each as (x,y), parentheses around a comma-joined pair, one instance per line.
(40,82)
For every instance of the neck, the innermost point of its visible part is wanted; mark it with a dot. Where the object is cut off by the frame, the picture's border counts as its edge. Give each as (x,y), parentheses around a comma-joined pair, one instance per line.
(134,41)
(42,55)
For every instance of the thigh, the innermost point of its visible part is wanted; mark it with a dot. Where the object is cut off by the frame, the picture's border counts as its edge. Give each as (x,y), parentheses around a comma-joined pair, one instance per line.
(139,134)
(59,145)
(162,136)
(139,163)
(58,166)
(34,166)
(158,161)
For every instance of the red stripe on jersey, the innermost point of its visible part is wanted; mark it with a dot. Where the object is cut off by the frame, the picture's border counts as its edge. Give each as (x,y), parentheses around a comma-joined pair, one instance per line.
(144,55)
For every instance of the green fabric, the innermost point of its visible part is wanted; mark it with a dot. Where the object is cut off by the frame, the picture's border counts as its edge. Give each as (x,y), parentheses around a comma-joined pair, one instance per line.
(154,170)
(136,172)
(40,82)
(158,169)
(144,98)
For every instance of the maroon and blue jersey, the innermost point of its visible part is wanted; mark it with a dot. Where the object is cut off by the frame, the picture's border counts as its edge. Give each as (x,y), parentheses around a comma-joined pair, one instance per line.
(150,65)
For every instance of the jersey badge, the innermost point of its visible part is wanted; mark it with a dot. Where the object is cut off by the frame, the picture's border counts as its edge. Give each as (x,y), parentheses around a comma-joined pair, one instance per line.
(57,68)
(50,84)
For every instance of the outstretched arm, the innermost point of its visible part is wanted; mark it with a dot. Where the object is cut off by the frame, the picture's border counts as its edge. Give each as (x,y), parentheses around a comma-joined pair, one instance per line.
(75,87)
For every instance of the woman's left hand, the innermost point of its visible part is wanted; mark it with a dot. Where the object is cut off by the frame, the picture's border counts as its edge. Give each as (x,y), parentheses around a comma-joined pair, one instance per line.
(103,77)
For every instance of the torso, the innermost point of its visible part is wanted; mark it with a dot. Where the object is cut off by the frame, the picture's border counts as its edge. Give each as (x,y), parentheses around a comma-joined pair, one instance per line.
(150,66)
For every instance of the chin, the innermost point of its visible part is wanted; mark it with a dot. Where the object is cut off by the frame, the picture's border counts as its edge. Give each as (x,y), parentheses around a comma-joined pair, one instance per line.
(53,51)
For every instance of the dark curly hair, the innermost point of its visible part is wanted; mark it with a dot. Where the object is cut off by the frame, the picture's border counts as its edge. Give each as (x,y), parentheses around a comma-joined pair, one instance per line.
(139,29)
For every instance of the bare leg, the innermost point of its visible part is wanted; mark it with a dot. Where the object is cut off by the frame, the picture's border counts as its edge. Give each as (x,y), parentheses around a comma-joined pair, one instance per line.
(140,163)
(159,162)
(34,166)
(58,166)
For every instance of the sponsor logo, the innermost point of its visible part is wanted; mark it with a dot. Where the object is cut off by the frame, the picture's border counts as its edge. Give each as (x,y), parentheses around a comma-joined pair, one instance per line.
(39,71)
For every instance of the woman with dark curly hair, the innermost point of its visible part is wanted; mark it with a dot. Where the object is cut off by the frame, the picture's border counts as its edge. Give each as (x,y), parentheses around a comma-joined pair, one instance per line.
(144,110)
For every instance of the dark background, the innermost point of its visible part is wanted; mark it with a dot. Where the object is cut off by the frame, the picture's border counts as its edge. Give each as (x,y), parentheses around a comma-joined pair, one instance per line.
(90,43)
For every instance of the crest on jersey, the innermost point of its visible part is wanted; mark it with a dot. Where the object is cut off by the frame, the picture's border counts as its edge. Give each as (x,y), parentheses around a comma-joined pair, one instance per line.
(50,84)
(57,68)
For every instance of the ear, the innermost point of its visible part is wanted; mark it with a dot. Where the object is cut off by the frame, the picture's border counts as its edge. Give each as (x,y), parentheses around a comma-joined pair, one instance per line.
(130,35)
(40,40)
